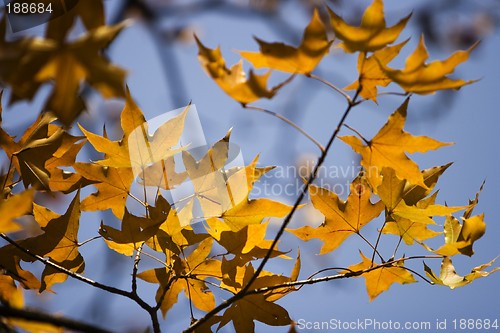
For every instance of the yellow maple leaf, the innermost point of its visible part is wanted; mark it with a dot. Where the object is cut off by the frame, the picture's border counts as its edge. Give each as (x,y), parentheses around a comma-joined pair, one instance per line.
(296,60)
(342,218)
(137,149)
(421,78)
(134,231)
(449,277)
(256,307)
(59,242)
(371,35)
(13,207)
(459,238)
(197,263)
(370,71)
(233,81)
(387,149)
(71,63)
(391,192)
(113,187)
(380,279)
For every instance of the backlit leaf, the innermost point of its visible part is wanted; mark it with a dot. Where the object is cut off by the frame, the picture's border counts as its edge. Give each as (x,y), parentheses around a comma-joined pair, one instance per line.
(302,59)
(426,78)
(371,35)
(387,149)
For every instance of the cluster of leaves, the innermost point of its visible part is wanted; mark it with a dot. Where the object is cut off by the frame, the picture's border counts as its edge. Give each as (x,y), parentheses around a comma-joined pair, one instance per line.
(227,254)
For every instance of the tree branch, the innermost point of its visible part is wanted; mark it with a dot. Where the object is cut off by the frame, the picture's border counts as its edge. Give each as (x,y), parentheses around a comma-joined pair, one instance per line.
(36,316)
(289,122)
(110,289)
(285,223)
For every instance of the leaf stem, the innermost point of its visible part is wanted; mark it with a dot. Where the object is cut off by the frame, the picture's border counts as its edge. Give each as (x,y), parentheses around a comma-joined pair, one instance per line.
(359,134)
(137,258)
(285,223)
(89,240)
(331,85)
(289,122)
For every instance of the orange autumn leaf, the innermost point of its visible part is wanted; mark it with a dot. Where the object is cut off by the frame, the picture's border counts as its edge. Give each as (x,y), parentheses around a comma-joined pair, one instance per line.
(370,71)
(387,149)
(426,78)
(296,60)
(342,218)
(380,279)
(137,149)
(13,207)
(233,81)
(371,35)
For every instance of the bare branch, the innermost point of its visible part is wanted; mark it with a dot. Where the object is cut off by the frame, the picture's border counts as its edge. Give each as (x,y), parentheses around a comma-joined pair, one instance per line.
(40,317)
(285,223)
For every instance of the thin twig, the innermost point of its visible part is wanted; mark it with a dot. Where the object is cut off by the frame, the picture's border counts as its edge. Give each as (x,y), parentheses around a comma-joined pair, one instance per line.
(110,289)
(137,258)
(331,85)
(359,134)
(89,240)
(285,223)
(289,122)
(377,242)
(349,273)
(375,251)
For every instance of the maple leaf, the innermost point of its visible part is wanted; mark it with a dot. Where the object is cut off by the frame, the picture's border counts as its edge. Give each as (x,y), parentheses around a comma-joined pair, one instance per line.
(246,244)
(41,150)
(65,63)
(59,242)
(387,149)
(421,78)
(134,232)
(137,149)
(162,174)
(226,194)
(13,207)
(113,187)
(260,307)
(209,179)
(253,211)
(414,193)
(449,277)
(410,221)
(70,63)
(371,35)
(342,218)
(197,264)
(459,238)
(233,81)
(370,71)
(296,60)
(380,279)
(172,235)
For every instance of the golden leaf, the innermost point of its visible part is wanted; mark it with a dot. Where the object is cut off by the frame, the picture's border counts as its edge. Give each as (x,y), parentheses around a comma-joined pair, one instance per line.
(296,60)
(371,35)
(387,149)
(342,218)
(421,78)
